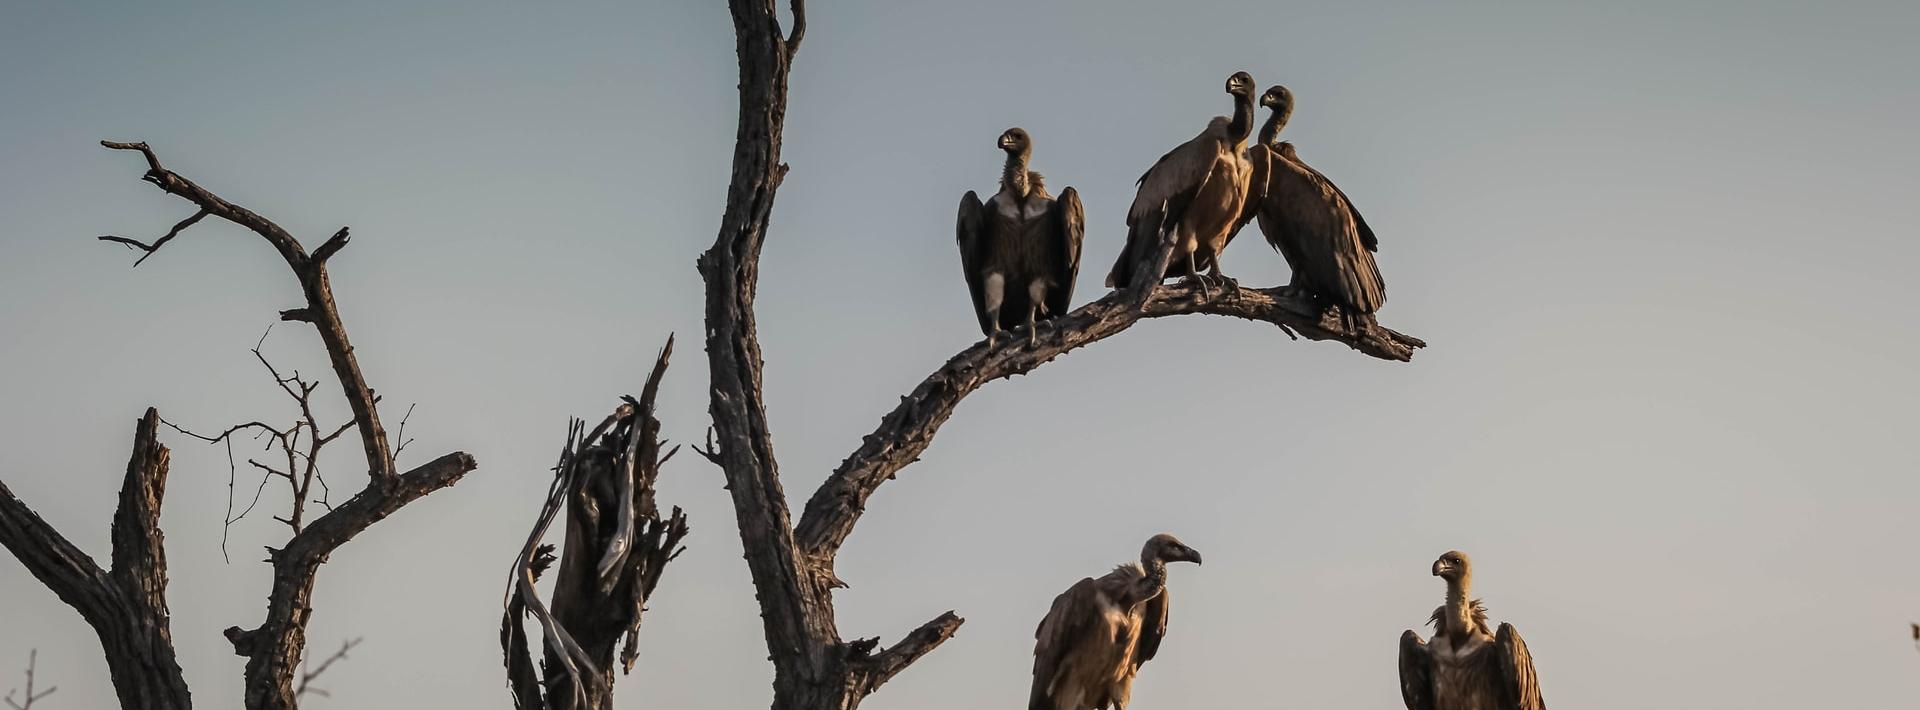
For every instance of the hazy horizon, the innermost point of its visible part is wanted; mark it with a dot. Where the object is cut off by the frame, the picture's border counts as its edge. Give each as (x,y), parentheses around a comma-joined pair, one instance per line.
(1656,250)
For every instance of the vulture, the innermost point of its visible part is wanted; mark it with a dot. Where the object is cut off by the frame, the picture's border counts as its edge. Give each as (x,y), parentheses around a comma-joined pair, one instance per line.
(1099,632)
(1467,666)
(1197,191)
(1021,249)
(1311,222)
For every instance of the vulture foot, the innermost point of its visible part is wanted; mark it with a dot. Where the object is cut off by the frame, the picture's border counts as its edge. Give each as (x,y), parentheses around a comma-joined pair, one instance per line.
(1206,291)
(1230,285)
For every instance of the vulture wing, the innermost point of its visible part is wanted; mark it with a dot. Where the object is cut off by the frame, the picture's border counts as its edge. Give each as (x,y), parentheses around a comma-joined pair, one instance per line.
(974,230)
(1070,227)
(1064,628)
(1416,672)
(1307,215)
(1521,686)
(1176,176)
(1164,192)
(1366,233)
(1153,628)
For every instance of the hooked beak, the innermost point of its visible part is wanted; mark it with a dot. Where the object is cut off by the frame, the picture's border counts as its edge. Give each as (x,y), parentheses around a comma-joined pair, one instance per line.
(1439,566)
(1194,555)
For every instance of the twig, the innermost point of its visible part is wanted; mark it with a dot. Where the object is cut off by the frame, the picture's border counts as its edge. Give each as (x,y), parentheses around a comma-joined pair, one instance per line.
(157,243)
(31,697)
(307,675)
(399,432)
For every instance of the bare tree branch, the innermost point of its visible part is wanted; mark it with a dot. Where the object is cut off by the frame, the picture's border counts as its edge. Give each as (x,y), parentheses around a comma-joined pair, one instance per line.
(308,675)
(31,696)
(906,432)
(157,243)
(314,283)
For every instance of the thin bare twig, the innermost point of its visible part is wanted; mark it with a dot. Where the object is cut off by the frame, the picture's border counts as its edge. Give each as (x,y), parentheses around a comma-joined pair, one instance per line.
(299,446)
(30,697)
(399,432)
(309,673)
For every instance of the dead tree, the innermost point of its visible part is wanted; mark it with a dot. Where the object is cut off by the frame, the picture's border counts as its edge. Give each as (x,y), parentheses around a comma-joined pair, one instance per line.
(617,546)
(792,565)
(126,606)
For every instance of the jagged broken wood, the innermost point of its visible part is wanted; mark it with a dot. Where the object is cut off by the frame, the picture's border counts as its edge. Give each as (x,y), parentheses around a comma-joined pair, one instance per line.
(127,604)
(617,546)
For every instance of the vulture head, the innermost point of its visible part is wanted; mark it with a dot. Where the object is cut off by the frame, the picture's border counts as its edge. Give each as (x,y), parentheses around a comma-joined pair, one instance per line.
(1016,141)
(1277,98)
(1453,567)
(1167,548)
(1240,84)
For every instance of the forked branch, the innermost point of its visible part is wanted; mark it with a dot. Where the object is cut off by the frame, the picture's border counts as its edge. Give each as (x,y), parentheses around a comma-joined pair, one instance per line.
(311,270)
(127,605)
(274,648)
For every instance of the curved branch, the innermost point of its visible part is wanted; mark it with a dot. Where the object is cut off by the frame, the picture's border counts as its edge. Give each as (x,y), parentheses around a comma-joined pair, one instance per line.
(314,283)
(907,431)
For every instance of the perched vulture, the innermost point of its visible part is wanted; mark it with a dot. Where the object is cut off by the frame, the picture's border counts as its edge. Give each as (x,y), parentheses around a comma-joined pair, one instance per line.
(1197,191)
(1020,250)
(1100,631)
(1467,666)
(1311,222)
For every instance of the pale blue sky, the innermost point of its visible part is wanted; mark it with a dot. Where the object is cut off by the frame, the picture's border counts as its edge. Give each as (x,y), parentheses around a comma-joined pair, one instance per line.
(1661,252)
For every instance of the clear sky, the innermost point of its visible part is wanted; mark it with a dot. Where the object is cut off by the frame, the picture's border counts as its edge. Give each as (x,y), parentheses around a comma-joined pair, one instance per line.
(1662,253)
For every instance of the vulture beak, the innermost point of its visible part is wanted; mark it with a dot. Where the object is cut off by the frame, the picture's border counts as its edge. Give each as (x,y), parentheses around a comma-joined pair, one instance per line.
(1439,567)
(1194,555)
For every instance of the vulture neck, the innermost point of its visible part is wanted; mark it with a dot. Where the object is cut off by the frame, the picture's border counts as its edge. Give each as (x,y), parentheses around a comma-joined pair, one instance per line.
(1242,124)
(1154,582)
(1459,609)
(1014,179)
(1270,131)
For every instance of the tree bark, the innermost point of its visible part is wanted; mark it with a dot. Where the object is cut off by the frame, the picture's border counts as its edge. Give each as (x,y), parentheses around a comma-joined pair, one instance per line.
(126,606)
